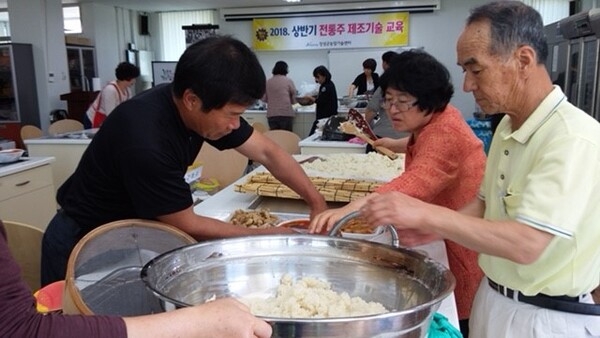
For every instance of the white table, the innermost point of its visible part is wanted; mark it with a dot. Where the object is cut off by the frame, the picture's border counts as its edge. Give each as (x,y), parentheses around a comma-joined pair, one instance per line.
(314,145)
(227,200)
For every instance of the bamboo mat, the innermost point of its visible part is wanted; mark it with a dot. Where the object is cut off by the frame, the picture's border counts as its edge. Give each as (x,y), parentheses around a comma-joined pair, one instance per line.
(332,189)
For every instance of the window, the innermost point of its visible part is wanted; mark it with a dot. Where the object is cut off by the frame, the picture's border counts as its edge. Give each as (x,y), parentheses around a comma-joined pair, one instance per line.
(72,20)
(551,10)
(4,27)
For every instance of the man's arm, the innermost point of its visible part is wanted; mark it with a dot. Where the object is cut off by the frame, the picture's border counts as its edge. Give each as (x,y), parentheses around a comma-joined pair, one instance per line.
(512,240)
(202,228)
(285,168)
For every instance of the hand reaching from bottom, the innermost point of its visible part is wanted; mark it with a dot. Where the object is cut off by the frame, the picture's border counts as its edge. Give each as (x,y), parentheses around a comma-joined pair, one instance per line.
(223,318)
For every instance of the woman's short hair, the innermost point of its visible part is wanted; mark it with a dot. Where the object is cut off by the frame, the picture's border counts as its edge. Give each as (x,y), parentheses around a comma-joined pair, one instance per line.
(422,76)
(220,70)
(322,70)
(370,64)
(126,71)
(280,68)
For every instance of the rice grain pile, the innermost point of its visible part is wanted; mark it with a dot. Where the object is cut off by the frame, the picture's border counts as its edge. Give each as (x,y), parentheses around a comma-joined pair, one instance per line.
(310,297)
(371,166)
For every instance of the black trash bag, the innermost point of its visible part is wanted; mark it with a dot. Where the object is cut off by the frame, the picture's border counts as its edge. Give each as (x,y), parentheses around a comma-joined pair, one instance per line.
(331,129)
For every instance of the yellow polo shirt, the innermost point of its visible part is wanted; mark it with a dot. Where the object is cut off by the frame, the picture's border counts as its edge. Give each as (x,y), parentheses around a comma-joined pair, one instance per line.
(546,175)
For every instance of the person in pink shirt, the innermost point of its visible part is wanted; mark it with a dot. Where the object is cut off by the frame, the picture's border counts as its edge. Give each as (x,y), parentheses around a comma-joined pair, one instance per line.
(444,164)
(280,95)
(112,95)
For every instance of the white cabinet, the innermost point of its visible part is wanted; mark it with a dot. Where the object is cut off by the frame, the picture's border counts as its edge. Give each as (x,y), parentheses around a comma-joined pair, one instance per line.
(28,196)
(302,122)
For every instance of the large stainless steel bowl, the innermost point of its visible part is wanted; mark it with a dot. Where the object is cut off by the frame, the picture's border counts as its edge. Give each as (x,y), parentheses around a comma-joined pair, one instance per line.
(404,281)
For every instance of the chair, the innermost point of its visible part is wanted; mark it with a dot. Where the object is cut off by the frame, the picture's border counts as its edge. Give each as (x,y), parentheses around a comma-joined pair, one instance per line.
(30,131)
(285,139)
(260,127)
(226,166)
(64,126)
(25,244)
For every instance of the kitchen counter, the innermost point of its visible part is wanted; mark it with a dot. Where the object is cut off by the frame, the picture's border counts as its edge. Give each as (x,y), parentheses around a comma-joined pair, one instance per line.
(26,191)
(227,200)
(83,137)
(314,145)
(303,121)
(66,148)
(300,110)
(25,163)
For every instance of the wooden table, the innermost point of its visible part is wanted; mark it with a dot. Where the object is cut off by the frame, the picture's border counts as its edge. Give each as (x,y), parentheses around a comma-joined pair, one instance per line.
(223,203)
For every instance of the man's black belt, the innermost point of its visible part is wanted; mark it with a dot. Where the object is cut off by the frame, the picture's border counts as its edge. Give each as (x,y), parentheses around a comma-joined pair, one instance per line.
(558,303)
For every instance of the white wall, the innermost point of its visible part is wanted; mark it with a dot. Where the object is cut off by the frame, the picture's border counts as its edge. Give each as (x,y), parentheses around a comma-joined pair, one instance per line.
(99,23)
(437,32)
(40,24)
(112,28)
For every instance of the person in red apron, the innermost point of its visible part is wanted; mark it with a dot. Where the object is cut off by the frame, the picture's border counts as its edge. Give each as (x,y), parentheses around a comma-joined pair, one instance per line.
(113,94)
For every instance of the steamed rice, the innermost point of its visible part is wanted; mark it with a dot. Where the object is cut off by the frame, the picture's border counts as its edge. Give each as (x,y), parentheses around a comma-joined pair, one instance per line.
(371,166)
(310,297)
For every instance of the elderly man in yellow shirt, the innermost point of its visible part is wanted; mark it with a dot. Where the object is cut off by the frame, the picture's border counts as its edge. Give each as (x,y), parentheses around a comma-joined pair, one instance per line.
(536,220)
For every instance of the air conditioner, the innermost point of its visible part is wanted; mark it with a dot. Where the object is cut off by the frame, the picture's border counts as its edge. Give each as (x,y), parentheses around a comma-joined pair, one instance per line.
(581,24)
(291,11)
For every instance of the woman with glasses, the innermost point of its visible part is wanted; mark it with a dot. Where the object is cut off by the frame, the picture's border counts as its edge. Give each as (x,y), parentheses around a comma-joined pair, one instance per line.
(444,164)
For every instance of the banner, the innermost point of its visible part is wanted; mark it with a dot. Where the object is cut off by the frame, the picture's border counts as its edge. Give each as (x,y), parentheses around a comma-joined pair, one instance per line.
(331,32)
(195,33)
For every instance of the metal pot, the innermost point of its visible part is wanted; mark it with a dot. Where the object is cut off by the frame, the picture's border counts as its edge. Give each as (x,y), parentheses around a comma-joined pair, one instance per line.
(408,283)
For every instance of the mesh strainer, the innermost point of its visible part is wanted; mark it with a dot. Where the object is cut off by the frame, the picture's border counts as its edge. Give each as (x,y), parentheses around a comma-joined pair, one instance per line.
(103,272)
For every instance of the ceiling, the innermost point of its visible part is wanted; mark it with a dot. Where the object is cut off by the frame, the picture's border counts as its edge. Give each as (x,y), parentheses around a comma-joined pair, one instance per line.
(181,5)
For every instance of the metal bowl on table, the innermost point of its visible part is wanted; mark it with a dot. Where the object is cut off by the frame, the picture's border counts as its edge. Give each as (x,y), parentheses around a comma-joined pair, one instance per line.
(356,101)
(405,282)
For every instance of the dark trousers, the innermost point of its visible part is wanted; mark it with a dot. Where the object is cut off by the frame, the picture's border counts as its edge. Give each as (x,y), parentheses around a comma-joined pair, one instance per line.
(313,129)
(281,122)
(60,238)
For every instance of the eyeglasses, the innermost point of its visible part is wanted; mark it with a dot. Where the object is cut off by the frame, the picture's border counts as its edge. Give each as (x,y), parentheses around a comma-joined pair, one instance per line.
(402,106)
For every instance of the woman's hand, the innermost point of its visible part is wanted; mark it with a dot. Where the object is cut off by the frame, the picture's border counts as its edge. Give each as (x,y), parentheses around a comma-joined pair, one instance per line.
(223,318)
(228,317)
(325,221)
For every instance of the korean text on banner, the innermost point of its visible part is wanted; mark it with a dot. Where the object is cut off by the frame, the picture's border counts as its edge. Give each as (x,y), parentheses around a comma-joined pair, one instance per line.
(331,32)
